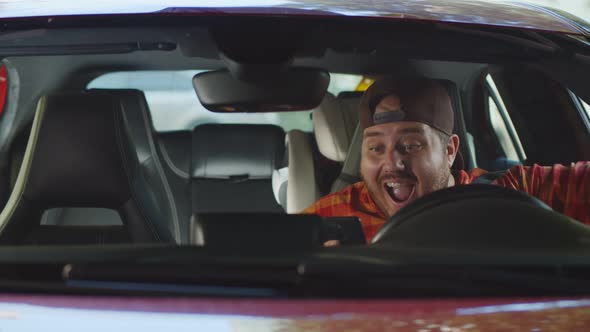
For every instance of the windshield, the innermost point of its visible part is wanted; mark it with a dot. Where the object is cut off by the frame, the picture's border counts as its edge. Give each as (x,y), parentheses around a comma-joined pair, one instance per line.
(292,156)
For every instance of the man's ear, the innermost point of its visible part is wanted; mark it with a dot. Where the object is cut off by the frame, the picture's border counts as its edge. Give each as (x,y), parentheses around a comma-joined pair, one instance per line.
(452,149)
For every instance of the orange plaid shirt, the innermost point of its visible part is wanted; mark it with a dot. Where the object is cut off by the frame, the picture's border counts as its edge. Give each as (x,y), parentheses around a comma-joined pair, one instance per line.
(565,189)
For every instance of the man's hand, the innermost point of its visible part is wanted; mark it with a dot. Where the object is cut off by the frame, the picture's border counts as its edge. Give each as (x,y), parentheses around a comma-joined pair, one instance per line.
(331,243)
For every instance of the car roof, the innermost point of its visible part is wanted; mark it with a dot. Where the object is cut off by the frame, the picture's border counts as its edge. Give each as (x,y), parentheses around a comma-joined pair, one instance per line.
(476,12)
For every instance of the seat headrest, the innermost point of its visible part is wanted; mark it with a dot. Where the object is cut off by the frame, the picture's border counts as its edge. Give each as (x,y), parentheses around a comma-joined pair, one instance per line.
(334,122)
(137,118)
(81,147)
(228,151)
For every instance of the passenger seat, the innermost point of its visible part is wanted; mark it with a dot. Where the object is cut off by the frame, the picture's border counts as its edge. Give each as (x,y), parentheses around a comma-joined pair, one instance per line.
(311,160)
(79,155)
(232,167)
(137,121)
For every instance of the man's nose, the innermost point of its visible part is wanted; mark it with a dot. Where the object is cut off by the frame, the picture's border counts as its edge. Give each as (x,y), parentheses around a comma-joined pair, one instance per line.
(396,160)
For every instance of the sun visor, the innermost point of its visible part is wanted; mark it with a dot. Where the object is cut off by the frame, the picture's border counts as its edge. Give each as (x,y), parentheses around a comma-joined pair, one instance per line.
(292,90)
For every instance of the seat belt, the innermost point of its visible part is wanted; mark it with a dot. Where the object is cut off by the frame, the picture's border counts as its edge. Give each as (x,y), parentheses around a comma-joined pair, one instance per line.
(349,173)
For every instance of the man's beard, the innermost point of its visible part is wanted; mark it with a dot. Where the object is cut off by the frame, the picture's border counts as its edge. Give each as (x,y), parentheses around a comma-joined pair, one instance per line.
(442,180)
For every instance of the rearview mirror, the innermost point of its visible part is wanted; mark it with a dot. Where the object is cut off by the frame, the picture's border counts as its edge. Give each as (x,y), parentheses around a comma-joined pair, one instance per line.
(295,89)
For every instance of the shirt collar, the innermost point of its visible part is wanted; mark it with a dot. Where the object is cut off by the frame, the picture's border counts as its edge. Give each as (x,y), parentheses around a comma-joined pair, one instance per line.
(367,204)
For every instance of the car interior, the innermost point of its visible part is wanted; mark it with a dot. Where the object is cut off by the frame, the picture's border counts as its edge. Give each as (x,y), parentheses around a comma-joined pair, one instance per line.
(81,164)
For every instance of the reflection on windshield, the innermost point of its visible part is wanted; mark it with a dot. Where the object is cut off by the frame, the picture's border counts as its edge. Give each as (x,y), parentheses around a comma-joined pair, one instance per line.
(21,8)
(564,315)
(523,307)
(25,318)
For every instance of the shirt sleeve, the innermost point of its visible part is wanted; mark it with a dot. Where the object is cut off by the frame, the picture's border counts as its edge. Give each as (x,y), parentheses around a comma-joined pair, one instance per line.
(566,189)
(312,209)
(327,206)
(332,204)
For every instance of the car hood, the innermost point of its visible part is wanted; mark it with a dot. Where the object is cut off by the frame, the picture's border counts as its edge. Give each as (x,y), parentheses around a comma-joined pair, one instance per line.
(19,313)
(504,14)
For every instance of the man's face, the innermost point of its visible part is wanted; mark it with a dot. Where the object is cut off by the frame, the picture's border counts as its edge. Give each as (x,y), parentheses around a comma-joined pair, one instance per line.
(404,160)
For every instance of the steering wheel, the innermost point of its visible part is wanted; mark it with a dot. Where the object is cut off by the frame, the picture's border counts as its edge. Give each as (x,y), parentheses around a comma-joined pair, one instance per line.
(480,216)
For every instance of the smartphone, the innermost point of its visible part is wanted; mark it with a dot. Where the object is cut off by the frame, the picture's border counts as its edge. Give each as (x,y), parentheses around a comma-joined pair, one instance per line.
(347,230)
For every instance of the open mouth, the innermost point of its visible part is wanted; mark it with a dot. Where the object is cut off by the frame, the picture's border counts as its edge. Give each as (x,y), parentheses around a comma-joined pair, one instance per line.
(400,193)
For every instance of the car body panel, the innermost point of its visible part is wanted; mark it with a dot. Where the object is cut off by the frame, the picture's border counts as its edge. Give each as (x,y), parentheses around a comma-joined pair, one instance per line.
(451,315)
(504,14)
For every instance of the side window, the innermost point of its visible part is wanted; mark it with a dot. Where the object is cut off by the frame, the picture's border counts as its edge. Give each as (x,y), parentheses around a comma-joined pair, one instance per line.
(585,110)
(586,107)
(502,125)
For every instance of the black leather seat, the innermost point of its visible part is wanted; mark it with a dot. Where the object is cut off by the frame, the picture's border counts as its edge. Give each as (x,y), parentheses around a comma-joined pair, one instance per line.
(169,197)
(232,167)
(137,120)
(174,151)
(80,155)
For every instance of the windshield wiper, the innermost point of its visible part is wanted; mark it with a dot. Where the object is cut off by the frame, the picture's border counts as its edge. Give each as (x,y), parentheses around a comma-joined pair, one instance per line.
(358,271)
(330,275)
(398,277)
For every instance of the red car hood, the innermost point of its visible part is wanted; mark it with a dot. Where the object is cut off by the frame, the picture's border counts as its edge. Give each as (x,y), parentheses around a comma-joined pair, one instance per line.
(113,313)
(494,13)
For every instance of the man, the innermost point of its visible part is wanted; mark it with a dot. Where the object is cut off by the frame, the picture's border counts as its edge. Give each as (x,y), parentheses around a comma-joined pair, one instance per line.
(409,148)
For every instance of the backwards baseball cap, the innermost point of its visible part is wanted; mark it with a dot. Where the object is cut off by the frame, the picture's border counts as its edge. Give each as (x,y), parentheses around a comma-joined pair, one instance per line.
(420,99)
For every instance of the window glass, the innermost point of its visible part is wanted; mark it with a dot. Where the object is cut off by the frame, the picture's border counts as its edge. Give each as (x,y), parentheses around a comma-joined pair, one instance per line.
(174,105)
(345,82)
(502,124)
(501,131)
(586,109)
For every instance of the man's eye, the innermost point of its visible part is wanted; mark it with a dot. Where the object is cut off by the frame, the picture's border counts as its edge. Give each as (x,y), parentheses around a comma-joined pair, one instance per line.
(411,147)
(375,149)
